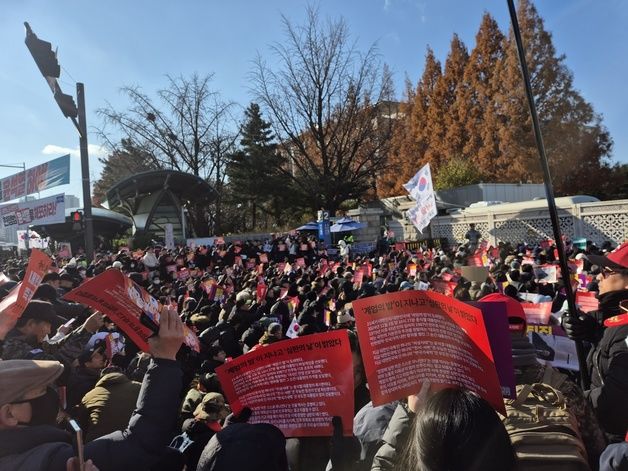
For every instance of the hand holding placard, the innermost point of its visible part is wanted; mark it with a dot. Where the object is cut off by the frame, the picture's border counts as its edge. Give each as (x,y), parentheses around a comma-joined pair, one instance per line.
(297,385)
(167,343)
(410,337)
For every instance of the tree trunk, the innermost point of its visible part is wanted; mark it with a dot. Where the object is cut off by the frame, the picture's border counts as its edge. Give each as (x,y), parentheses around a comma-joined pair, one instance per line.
(254,212)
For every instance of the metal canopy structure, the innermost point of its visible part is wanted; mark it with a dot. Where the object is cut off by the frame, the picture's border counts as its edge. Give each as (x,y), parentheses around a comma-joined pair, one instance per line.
(156,198)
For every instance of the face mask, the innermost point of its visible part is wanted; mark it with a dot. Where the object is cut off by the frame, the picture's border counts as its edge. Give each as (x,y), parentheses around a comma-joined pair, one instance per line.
(45,409)
(156,281)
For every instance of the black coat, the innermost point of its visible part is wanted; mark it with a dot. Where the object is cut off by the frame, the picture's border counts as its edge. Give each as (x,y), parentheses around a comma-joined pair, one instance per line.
(81,382)
(139,447)
(607,364)
(200,434)
(245,447)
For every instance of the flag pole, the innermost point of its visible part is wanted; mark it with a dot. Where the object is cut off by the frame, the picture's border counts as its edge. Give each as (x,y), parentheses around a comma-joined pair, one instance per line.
(549,191)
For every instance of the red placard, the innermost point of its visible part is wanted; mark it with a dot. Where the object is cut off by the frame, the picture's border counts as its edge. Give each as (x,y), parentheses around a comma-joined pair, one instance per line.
(13,305)
(262,289)
(537,313)
(127,304)
(586,301)
(411,267)
(410,337)
(444,287)
(475,261)
(297,385)
(358,276)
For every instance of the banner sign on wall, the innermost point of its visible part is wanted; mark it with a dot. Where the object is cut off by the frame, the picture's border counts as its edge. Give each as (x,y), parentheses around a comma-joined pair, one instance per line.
(20,215)
(47,175)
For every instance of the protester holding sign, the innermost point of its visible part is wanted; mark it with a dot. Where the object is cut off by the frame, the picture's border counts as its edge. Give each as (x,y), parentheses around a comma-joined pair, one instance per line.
(297,385)
(411,337)
(27,340)
(455,429)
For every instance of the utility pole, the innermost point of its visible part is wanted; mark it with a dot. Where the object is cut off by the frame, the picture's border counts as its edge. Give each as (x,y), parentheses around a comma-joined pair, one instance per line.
(87,187)
(46,60)
(585,380)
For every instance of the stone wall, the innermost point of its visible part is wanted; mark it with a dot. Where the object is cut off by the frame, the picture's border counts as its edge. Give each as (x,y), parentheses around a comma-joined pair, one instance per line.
(597,221)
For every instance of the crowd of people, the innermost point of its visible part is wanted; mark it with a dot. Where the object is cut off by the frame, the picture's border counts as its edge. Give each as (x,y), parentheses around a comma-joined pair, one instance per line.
(165,409)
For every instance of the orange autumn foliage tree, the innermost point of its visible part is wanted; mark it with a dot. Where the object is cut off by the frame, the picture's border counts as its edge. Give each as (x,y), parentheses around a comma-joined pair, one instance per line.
(475,110)
(410,139)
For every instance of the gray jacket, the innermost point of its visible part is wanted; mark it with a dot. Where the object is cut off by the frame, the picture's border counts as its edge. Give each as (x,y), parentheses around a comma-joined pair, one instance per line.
(395,439)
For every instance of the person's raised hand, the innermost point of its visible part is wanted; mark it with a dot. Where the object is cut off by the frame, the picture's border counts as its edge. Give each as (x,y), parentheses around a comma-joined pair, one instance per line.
(94,322)
(167,342)
(416,401)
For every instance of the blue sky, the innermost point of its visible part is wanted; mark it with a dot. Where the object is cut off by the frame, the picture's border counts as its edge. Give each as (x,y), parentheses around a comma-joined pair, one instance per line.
(110,44)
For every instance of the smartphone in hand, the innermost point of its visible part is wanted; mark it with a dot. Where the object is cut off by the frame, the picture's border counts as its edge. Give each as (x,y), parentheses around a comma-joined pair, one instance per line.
(76,431)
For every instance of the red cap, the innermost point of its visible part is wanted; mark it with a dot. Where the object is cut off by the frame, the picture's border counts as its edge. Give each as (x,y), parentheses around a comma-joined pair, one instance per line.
(514,309)
(617,259)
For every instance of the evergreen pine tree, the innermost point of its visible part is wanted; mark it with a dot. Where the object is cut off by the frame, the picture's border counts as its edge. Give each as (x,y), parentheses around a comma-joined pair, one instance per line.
(254,175)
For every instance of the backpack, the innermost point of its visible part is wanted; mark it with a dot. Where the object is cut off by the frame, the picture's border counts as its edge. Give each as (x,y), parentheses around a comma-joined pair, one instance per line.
(181,442)
(543,432)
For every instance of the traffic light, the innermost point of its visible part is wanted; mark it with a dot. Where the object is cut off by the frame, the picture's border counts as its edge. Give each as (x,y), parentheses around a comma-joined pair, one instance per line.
(66,103)
(46,60)
(77,220)
(45,57)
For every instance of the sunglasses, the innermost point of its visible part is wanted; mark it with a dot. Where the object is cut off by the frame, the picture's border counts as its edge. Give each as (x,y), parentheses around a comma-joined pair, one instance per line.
(606,272)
